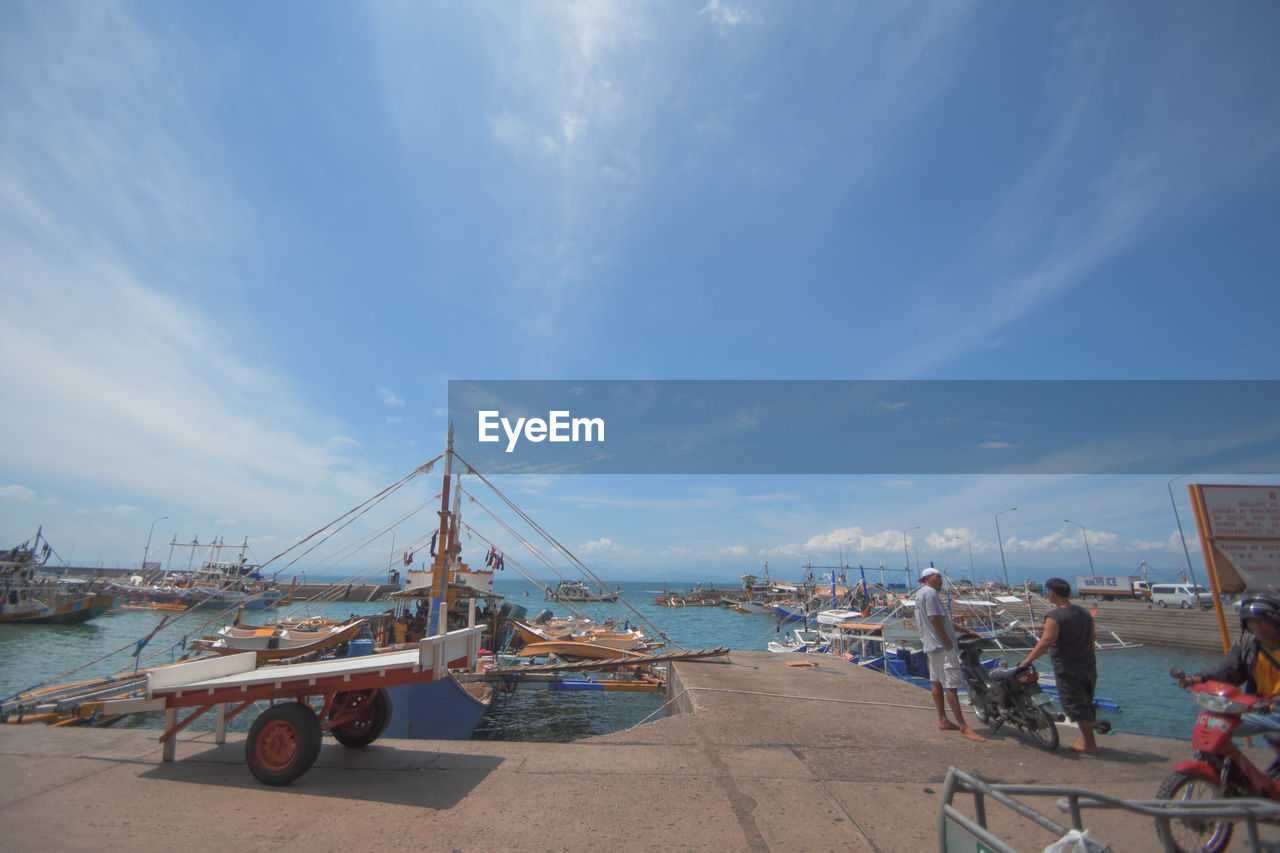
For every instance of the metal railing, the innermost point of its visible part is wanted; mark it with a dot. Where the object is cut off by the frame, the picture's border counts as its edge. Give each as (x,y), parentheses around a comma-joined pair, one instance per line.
(963,831)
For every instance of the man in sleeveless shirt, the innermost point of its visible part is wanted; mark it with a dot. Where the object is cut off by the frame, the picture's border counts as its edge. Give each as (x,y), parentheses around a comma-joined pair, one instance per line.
(1069,632)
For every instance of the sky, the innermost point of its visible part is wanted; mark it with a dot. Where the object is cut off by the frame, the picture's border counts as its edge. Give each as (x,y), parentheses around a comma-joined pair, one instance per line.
(244,248)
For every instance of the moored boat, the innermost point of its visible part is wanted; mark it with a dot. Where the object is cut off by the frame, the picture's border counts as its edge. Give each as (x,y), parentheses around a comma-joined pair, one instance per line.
(31,596)
(273,642)
(575,590)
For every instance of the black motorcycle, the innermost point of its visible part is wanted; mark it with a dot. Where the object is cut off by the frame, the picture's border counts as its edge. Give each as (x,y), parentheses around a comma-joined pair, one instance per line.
(1010,696)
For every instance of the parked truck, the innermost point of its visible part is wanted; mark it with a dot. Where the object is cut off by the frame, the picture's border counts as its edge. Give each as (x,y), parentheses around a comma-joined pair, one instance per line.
(1111,587)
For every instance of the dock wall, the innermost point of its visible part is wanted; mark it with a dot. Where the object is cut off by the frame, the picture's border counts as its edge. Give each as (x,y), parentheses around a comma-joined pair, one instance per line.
(1138,622)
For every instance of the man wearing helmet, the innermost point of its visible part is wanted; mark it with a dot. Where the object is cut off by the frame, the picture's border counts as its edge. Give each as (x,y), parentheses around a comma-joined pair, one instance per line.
(1253,663)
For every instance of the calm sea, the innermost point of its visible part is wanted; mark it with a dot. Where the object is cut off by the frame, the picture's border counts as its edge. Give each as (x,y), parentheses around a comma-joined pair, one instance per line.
(33,655)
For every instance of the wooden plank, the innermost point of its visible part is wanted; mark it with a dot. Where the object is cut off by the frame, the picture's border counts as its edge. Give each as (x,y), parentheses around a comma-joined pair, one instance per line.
(190,672)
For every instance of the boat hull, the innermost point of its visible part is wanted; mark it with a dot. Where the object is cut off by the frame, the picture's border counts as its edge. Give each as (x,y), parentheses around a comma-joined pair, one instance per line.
(65,613)
(433,710)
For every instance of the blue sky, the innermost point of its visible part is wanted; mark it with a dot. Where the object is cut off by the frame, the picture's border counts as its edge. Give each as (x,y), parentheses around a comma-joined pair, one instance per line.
(244,249)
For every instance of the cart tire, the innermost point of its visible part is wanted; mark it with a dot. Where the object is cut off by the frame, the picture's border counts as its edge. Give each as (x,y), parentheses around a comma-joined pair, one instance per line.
(372,722)
(283,743)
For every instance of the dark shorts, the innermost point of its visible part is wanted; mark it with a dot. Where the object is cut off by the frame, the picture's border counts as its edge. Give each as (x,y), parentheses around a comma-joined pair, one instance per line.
(1075,694)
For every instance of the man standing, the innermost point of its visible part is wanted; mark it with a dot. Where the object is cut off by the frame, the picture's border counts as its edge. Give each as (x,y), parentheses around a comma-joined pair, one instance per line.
(1069,632)
(939,636)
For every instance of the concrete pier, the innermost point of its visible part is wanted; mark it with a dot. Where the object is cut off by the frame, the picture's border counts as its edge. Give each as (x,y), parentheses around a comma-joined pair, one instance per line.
(1139,622)
(762,756)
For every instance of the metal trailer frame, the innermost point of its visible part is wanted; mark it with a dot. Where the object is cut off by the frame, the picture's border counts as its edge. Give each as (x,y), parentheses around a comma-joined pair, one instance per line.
(1074,799)
(345,687)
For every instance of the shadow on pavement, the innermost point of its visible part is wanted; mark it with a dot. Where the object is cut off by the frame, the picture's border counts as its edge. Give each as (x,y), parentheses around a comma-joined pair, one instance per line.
(376,773)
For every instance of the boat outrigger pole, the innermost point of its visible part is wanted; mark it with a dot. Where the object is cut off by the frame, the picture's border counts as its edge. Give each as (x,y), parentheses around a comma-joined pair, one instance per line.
(440,564)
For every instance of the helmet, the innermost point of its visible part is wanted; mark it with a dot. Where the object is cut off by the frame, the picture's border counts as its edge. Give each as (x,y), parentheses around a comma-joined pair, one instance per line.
(1260,607)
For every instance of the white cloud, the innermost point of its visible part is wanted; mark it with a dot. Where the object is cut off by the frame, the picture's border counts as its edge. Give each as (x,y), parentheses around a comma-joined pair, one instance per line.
(887,406)
(996,445)
(946,540)
(572,126)
(603,545)
(724,16)
(390,398)
(732,551)
(1065,540)
(17,493)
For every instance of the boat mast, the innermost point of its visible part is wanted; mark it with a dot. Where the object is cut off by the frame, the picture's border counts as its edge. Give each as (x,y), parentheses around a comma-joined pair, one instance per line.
(440,564)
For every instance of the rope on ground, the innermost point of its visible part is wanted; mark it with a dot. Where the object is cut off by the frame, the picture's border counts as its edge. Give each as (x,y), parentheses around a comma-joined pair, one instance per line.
(781,696)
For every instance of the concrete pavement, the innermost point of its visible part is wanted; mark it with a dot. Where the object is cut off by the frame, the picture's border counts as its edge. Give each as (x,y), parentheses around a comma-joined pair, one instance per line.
(763,757)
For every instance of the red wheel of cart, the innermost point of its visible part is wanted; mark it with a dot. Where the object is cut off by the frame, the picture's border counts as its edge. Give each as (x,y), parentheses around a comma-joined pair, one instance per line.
(283,743)
(372,710)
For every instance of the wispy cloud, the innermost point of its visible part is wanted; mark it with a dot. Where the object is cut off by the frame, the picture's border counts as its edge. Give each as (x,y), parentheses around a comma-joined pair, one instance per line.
(107,175)
(1093,194)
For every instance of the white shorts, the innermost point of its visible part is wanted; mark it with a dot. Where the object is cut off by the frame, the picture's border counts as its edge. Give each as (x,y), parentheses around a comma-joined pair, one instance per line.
(944,667)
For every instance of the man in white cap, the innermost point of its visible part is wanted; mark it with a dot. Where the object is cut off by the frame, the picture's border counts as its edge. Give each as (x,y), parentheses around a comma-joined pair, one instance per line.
(939,636)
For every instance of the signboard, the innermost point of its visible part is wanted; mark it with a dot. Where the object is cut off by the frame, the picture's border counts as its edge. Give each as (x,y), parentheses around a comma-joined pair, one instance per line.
(1240,535)
(1112,584)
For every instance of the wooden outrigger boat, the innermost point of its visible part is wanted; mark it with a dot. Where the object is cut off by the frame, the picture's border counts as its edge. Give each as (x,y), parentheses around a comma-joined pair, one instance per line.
(273,642)
(575,650)
(580,632)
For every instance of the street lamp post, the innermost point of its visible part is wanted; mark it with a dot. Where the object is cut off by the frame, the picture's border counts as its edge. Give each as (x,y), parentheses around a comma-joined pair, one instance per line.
(973,575)
(1182,535)
(147,551)
(1085,535)
(1000,539)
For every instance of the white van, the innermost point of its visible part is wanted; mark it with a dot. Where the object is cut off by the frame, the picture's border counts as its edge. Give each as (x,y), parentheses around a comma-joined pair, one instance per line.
(1183,595)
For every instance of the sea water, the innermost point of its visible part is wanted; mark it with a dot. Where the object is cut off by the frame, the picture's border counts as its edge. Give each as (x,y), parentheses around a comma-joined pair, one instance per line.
(1137,679)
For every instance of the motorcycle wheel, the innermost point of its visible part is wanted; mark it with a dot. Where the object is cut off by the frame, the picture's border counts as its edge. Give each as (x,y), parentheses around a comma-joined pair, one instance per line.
(1038,724)
(1192,836)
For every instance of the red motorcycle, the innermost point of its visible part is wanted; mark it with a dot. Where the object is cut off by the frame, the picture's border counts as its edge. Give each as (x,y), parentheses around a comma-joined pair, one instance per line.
(1219,769)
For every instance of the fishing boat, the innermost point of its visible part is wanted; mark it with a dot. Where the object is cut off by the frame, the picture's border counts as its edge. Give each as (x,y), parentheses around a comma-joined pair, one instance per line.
(220,584)
(576,590)
(32,596)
